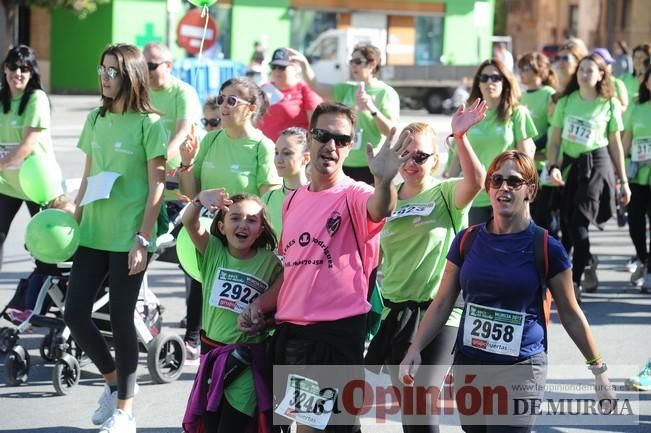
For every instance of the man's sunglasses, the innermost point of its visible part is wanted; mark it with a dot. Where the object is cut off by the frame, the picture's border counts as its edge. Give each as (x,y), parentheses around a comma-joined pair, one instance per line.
(153,66)
(513,182)
(278,67)
(357,61)
(109,72)
(24,69)
(485,78)
(231,100)
(212,122)
(418,157)
(562,58)
(323,136)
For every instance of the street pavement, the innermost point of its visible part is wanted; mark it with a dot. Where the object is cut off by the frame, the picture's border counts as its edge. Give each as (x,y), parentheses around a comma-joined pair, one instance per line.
(619,315)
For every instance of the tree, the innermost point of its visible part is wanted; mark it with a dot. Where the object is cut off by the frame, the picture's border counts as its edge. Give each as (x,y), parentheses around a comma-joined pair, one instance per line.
(10,9)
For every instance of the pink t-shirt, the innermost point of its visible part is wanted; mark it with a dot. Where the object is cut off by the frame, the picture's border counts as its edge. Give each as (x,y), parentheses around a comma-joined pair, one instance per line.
(290,111)
(324,278)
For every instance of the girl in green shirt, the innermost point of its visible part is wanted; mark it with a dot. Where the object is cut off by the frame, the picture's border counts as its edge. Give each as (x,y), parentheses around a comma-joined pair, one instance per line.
(125,145)
(237,264)
(24,130)
(586,125)
(641,61)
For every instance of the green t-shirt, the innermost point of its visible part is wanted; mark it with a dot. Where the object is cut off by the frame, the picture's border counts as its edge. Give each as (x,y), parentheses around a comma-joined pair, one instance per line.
(230,279)
(119,143)
(274,200)
(177,102)
(237,165)
(620,87)
(12,131)
(387,102)
(537,101)
(491,136)
(585,125)
(632,87)
(636,121)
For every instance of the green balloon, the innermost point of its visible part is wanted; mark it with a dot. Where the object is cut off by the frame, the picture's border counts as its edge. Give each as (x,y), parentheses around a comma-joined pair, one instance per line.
(187,253)
(202,3)
(52,236)
(40,178)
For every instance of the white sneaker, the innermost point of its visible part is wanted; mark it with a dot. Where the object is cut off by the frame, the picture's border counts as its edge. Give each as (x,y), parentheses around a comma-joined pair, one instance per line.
(631,265)
(108,403)
(637,278)
(119,422)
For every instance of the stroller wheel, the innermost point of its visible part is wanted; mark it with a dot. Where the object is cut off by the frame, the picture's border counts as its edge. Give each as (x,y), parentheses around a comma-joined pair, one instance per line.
(17,366)
(165,357)
(8,339)
(65,374)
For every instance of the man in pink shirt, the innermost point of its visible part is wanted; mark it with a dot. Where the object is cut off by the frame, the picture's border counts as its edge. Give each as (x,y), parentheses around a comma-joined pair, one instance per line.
(329,244)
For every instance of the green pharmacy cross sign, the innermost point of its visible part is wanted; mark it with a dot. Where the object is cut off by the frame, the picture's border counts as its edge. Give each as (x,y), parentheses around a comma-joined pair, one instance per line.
(148,36)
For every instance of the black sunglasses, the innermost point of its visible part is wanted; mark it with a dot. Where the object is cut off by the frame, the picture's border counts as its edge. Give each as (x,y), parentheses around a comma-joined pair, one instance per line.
(562,58)
(357,61)
(485,78)
(418,157)
(278,67)
(323,136)
(24,69)
(231,100)
(513,182)
(212,122)
(153,66)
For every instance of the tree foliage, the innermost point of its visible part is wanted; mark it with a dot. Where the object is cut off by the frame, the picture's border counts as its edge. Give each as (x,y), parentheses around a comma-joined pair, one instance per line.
(79,7)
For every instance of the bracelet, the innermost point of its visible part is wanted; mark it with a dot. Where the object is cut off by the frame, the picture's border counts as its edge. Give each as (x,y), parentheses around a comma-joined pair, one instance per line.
(622,181)
(593,360)
(183,167)
(553,166)
(197,203)
(373,113)
(144,235)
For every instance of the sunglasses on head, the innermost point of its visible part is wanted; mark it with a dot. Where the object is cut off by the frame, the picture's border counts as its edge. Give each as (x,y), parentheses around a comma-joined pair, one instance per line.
(562,58)
(323,136)
(278,67)
(153,66)
(231,100)
(485,78)
(418,157)
(358,61)
(24,69)
(513,182)
(525,68)
(212,122)
(109,72)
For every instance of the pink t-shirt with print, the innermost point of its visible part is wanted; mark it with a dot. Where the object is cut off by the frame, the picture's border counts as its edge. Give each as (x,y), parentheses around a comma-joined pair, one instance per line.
(326,270)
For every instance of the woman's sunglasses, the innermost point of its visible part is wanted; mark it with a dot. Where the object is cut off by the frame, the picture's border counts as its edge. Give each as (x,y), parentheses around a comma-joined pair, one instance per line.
(212,122)
(357,61)
(24,69)
(109,72)
(485,78)
(231,100)
(152,66)
(323,136)
(278,67)
(513,182)
(562,58)
(418,157)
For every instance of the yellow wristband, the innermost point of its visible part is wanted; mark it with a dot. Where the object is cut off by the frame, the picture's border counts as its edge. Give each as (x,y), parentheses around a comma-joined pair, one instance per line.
(593,360)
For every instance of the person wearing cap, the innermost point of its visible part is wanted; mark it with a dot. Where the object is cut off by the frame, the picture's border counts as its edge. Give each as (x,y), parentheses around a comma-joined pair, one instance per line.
(377,104)
(620,88)
(291,100)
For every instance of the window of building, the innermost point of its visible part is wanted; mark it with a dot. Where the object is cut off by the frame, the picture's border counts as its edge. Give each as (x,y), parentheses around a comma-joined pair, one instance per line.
(307,25)
(429,38)
(625,14)
(573,17)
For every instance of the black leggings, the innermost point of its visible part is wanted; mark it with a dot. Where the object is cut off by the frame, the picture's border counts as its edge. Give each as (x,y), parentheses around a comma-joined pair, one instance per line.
(227,419)
(436,359)
(89,270)
(194,304)
(638,209)
(9,207)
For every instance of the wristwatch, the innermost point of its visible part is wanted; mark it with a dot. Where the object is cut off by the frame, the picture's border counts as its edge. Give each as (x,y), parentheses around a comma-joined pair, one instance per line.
(142,241)
(597,370)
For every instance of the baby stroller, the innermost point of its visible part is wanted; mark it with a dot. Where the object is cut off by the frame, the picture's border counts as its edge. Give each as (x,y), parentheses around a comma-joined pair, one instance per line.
(165,351)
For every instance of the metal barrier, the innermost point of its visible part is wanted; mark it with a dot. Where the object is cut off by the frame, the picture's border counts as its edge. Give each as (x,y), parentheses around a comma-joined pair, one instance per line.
(207,75)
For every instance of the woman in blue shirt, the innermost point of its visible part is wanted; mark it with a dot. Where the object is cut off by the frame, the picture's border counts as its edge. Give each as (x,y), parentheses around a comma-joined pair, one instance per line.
(503,325)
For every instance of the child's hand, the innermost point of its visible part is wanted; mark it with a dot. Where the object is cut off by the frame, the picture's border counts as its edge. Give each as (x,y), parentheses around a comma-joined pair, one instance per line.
(214,199)
(245,323)
(189,148)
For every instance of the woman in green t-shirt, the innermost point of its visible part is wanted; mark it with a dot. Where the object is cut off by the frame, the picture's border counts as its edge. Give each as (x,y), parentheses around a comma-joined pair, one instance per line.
(125,145)
(641,61)
(414,244)
(507,125)
(24,130)
(637,145)
(537,75)
(586,127)
(376,103)
(238,157)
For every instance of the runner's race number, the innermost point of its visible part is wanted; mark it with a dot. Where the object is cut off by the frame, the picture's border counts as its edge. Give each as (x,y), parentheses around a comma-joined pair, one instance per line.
(306,403)
(641,149)
(493,330)
(578,130)
(235,290)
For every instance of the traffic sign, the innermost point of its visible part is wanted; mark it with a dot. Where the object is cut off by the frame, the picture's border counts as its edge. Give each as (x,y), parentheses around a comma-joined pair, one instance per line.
(190,30)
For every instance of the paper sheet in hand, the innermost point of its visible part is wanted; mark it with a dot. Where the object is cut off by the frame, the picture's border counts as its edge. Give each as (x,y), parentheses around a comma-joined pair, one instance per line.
(99,187)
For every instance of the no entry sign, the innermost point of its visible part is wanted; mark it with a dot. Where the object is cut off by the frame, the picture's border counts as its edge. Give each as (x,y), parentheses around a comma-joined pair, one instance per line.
(190,30)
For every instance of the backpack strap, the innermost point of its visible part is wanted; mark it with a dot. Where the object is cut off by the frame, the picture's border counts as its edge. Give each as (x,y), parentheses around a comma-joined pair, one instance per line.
(541,254)
(467,239)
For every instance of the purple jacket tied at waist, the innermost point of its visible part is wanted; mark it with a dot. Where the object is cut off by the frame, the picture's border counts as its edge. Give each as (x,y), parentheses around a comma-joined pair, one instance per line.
(208,388)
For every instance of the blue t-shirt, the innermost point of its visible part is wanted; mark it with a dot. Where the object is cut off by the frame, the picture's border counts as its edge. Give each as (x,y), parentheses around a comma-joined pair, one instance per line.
(499,271)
